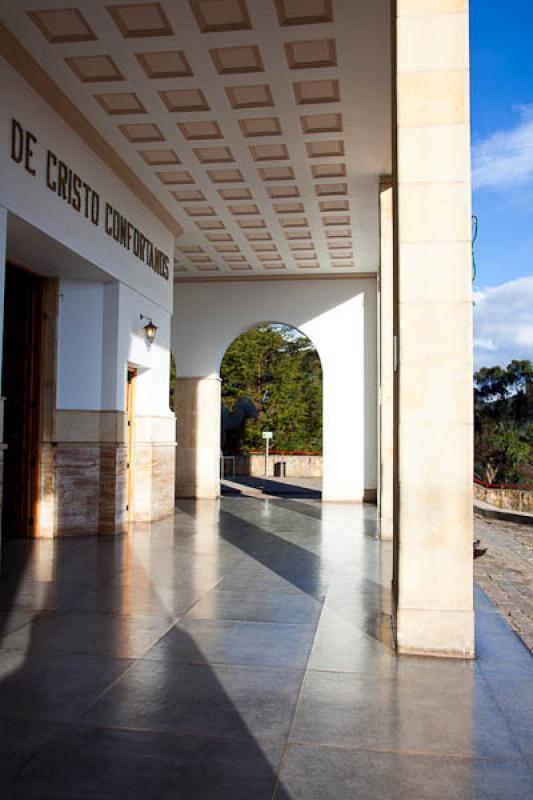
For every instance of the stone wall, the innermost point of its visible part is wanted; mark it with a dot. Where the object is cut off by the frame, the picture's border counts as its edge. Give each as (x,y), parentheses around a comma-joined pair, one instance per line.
(512,499)
(297,466)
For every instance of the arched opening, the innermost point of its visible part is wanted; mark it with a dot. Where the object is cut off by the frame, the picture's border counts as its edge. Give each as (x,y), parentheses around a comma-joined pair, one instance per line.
(271,413)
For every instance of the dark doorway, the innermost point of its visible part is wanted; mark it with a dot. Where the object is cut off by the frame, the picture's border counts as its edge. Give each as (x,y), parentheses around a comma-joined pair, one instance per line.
(21,382)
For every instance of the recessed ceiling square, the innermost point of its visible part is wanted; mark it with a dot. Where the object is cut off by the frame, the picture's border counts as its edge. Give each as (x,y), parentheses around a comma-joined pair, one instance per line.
(324,189)
(184,100)
(200,211)
(334,205)
(293,222)
(308,265)
(251,223)
(292,235)
(276,173)
(243,209)
(235,194)
(120,103)
(191,249)
(324,148)
(159,158)
(188,195)
(94,69)
(288,208)
(135,20)
(175,176)
(226,248)
(239,267)
(210,225)
(207,268)
(60,25)
(165,64)
(304,12)
(273,266)
(324,91)
(340,219)
(219,236)
(200,129)
(311,54)
(328,170)
(142,132)
(321,123)
(234,257)
(269,152)
(257,96)
(280,192)
(264,247)
(259,236)
(201,259)
(234,60)
(260,126)
(225,175)
(213,155)
(340,234)
(220,15)
(269,257)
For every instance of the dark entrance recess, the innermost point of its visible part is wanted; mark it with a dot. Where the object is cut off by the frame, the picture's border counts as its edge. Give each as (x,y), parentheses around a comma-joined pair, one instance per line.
(21,381)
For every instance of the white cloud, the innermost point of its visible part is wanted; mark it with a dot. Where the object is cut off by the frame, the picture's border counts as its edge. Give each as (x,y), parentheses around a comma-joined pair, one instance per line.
(503,323)
(505,158)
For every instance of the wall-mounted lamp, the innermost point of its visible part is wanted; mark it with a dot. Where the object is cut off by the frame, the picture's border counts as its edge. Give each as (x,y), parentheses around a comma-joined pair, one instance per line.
(150,329)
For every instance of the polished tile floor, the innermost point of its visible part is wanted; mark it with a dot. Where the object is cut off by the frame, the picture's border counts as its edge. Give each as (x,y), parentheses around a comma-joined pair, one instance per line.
(242,651)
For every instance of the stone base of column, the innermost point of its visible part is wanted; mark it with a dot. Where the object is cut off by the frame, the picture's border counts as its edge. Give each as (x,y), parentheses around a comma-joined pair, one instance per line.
(198,454)
(429,632)
(153,468)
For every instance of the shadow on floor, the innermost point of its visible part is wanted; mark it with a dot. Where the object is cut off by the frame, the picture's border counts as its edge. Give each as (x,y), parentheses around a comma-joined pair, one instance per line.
(297,487)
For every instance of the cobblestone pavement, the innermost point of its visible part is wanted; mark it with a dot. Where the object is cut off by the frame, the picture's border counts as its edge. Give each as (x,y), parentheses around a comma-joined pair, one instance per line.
(505,572)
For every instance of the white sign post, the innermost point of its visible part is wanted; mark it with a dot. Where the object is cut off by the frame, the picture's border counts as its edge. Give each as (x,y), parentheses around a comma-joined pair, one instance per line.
(267,436)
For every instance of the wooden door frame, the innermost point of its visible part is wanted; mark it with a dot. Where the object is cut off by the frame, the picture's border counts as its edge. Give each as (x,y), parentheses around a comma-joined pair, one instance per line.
(131,378)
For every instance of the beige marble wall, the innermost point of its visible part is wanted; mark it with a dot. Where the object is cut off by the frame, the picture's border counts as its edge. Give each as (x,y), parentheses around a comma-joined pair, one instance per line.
(198,437)
(386,363)
(154,462)
(83,475)
(434,308)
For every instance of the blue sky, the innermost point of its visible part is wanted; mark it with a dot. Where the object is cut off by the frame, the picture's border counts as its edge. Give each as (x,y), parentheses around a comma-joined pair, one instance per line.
(502,150)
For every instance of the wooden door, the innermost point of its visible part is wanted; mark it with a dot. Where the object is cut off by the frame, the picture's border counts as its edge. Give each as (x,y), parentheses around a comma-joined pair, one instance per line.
(130,409)
(21,385)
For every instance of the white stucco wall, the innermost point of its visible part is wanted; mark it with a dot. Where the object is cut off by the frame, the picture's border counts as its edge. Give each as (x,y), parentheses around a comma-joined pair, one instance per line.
(339,316)
(28,196)
(99,333)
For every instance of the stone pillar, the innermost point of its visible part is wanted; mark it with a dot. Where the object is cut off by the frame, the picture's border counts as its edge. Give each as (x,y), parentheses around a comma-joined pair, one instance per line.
(434,326)
(198,436)
(386,363)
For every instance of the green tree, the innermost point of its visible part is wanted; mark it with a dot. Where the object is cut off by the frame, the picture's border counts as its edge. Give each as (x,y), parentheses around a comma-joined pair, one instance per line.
(504,422)
(279,370)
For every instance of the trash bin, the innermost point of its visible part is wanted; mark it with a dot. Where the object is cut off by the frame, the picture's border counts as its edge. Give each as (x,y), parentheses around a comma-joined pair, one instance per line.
(280,469)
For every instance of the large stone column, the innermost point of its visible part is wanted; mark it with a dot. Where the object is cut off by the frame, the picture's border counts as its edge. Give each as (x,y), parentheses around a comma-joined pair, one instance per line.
(434,327)
(386,363)
(198,434)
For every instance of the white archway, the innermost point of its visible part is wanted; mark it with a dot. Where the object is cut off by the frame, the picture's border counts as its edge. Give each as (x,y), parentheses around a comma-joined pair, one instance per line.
(339,317)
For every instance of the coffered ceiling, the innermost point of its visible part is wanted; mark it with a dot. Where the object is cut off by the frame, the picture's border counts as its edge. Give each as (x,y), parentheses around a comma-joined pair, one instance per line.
(262,126)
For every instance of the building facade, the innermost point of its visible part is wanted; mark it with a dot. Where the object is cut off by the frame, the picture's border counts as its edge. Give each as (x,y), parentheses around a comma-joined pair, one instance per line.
(204,166)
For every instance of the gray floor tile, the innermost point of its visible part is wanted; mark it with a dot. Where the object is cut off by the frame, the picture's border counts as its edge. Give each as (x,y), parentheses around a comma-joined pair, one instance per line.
(327,773)
(254,606)
(448,715)
(111,764)
(200,700)
(53,687)
(262,644)
(69,632)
